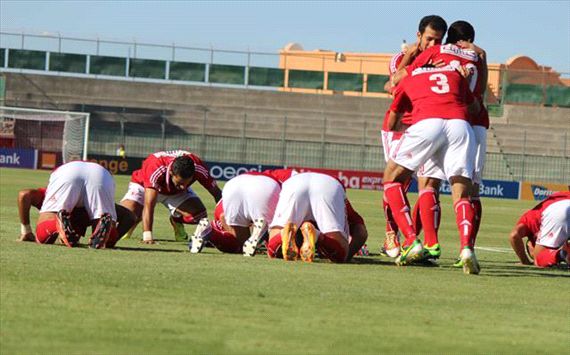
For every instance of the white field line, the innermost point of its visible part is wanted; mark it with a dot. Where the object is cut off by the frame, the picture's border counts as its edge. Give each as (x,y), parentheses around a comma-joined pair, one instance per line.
(495,249)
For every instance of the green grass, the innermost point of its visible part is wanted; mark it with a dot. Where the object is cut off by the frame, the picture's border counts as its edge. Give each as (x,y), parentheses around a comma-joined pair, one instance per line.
(162,300)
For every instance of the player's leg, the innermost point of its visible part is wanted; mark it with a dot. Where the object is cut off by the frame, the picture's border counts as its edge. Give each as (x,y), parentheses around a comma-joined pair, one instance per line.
(391,244)
(293,208)
(552,243)
(327,200)
(357,240)
(480,134)
(417,145)
(458,160)
(427,211)
(63,194)
(99,201)
(185,208)
(126,221)
(134,202)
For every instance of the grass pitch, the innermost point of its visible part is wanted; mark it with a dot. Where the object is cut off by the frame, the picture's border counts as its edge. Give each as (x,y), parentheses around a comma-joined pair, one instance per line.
(162,300)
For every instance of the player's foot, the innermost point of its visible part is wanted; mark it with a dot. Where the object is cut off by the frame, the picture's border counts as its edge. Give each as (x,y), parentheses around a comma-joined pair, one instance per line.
(307,250)
(458,263)
(469,260)
(200,236)
(250,245)
(411,253)
(180,234)
(102,231)
(363,251)
(65,230)
(433,252)
(391,246)
(288,244)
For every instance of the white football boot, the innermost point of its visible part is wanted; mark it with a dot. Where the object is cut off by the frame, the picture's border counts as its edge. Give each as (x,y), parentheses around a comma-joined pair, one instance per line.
(250,245)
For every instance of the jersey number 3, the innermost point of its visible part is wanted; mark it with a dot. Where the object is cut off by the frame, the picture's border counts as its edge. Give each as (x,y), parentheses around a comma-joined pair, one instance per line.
(441,84)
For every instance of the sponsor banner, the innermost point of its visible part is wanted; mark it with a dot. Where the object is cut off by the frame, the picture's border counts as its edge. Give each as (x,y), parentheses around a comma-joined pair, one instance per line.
(538,191)
(18,158)
(117,165)
(488,188)
(226,171)
(364,180)
(49,160)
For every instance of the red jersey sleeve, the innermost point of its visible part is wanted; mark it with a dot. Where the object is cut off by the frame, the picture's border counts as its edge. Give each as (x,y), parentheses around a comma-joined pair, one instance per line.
(401,102)
(202,174)
(531,220)
(422,59)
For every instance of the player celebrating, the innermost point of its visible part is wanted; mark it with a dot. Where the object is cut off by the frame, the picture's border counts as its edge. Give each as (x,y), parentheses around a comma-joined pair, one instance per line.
(473,58)
(306,200)
(441,100)
(79,218)
(247,200)
(166,177)
(431,30)
(547,227)
(73,185)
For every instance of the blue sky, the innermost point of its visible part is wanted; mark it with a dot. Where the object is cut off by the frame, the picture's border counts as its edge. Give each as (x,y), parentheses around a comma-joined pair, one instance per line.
(539,29)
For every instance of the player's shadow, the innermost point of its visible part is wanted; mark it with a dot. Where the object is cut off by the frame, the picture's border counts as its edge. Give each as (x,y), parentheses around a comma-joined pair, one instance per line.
(148,248)
(523,271)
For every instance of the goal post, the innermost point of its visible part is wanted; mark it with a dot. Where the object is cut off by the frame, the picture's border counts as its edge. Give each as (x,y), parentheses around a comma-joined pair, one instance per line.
(65,132)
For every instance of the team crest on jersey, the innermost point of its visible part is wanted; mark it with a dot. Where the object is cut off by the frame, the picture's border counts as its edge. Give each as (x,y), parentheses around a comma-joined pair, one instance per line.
(460,52)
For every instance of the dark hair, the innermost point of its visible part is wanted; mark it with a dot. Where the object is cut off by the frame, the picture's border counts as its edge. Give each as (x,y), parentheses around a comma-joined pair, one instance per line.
(183,166)
(437,23)
(460,31)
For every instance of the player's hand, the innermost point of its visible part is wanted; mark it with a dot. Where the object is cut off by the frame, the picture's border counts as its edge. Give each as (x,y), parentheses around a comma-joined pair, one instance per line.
(27,237)
(438,63)
(464,71)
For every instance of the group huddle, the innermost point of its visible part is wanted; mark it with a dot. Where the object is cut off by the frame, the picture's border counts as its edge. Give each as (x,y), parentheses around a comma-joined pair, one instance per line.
(434,129)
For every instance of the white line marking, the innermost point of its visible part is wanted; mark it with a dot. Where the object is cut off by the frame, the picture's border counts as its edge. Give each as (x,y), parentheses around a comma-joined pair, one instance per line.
(496,250)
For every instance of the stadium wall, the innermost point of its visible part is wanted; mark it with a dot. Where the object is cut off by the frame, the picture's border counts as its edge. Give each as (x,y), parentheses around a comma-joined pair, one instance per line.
(275,128)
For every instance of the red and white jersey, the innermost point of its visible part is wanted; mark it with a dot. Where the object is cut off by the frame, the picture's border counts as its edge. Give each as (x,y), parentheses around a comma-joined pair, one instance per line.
(281,175)
(407,116)
(156,172)
(532,219)
(455,55)
(434,93)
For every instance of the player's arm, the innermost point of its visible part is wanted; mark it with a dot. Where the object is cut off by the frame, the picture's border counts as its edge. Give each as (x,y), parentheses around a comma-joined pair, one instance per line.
(484,72)
(516,238)
(150,197)
(27,199)
(206,180)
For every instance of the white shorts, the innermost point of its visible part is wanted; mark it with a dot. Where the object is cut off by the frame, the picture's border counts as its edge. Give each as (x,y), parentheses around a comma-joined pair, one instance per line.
(555,225)
(388,143)
(480,134)
(172,202)
(448,143)
(312,197)
(81,184)
(246,198)
(431,170)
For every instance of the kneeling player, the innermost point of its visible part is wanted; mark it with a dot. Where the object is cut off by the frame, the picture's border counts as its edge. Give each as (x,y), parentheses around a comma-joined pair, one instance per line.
(166,177)
(313,197)
(247,200)
(547,227)
(29,198)
(73,185)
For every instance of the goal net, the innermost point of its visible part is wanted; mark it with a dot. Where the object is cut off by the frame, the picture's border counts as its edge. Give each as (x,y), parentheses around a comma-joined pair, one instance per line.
(62,132)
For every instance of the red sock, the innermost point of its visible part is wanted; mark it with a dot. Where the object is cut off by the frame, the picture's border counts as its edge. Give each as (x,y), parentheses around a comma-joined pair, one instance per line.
(391,225)
(332,249)
(416,218)
(464,217)
(547,258)
(190,219)
(274,247)
(225,241)
(46,232)
(396,197)
(430,212)
(478,216)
